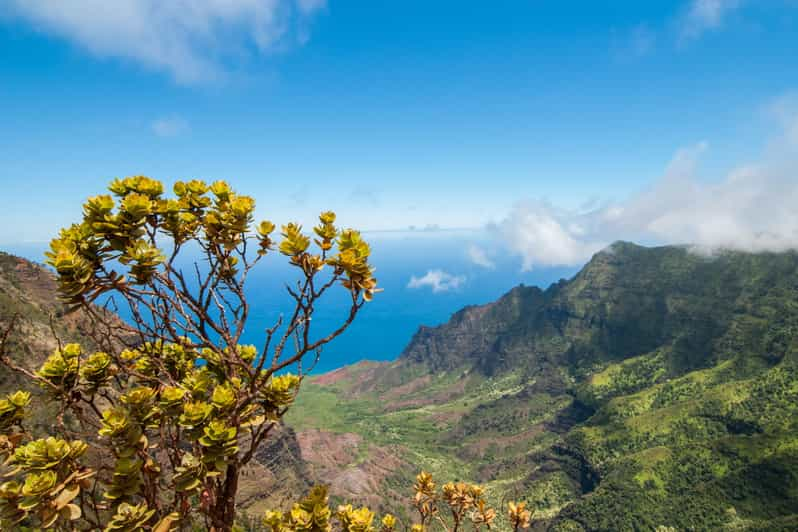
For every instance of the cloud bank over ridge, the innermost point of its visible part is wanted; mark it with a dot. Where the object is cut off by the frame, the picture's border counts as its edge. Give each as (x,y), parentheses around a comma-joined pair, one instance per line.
(754,208)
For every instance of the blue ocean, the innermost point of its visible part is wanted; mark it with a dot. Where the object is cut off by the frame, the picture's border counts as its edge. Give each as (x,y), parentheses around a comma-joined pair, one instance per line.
(384,326)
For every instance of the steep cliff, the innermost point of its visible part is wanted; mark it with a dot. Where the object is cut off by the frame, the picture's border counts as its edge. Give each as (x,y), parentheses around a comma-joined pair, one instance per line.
(628,300)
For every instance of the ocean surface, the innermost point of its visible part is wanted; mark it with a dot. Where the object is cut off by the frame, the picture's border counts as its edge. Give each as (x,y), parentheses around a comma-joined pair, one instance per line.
(385,326)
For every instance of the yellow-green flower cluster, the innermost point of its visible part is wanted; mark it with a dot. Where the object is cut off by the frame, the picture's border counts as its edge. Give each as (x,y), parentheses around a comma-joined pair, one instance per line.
(61,368)
(126,479)
(96,370)
(120,226)
(48,479)
(519,516)
(12,409)
(219,442)
(130,518)
(189,474)
(352,259)
(68,367)
(355,520)
(388,523)
(47,453)
(311,514)
(121,429)
(228,220)
(279,393)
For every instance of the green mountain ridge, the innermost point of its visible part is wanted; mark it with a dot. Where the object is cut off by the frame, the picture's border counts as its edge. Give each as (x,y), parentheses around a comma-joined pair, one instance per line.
(655,388)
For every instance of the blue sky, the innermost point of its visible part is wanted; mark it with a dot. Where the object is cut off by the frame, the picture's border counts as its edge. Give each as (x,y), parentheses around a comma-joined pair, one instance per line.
(552,127)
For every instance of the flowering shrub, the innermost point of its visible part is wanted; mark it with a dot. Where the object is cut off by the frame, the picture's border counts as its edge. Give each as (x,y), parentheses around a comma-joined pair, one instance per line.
(155,426)
(449,509)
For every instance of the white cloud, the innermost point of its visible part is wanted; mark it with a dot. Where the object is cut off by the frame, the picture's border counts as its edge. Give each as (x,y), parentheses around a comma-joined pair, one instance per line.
(754,208)
(187,38)
(479,256)
(170,126)
(544,236)
(705,15)
(438,280)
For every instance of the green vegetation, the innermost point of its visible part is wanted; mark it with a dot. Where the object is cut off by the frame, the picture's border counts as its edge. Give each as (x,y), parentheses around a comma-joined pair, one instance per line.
(655,389)
(157,422)
(449,508)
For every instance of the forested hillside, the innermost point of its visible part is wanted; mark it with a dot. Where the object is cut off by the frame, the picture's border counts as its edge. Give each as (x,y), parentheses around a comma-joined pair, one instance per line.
(656,388)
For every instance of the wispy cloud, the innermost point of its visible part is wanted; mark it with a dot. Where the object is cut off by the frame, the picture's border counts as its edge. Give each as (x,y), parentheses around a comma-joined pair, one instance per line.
(705,15)
(169,126)
(438,280)
(690,22)
(752,209)
(479,256)
(188,39)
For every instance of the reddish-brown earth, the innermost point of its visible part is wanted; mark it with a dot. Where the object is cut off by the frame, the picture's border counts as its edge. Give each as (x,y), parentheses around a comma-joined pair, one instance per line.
(354,469)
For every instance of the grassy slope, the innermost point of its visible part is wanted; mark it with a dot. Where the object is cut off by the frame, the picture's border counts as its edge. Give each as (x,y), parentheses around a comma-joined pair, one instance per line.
(418,431)
(657,388)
